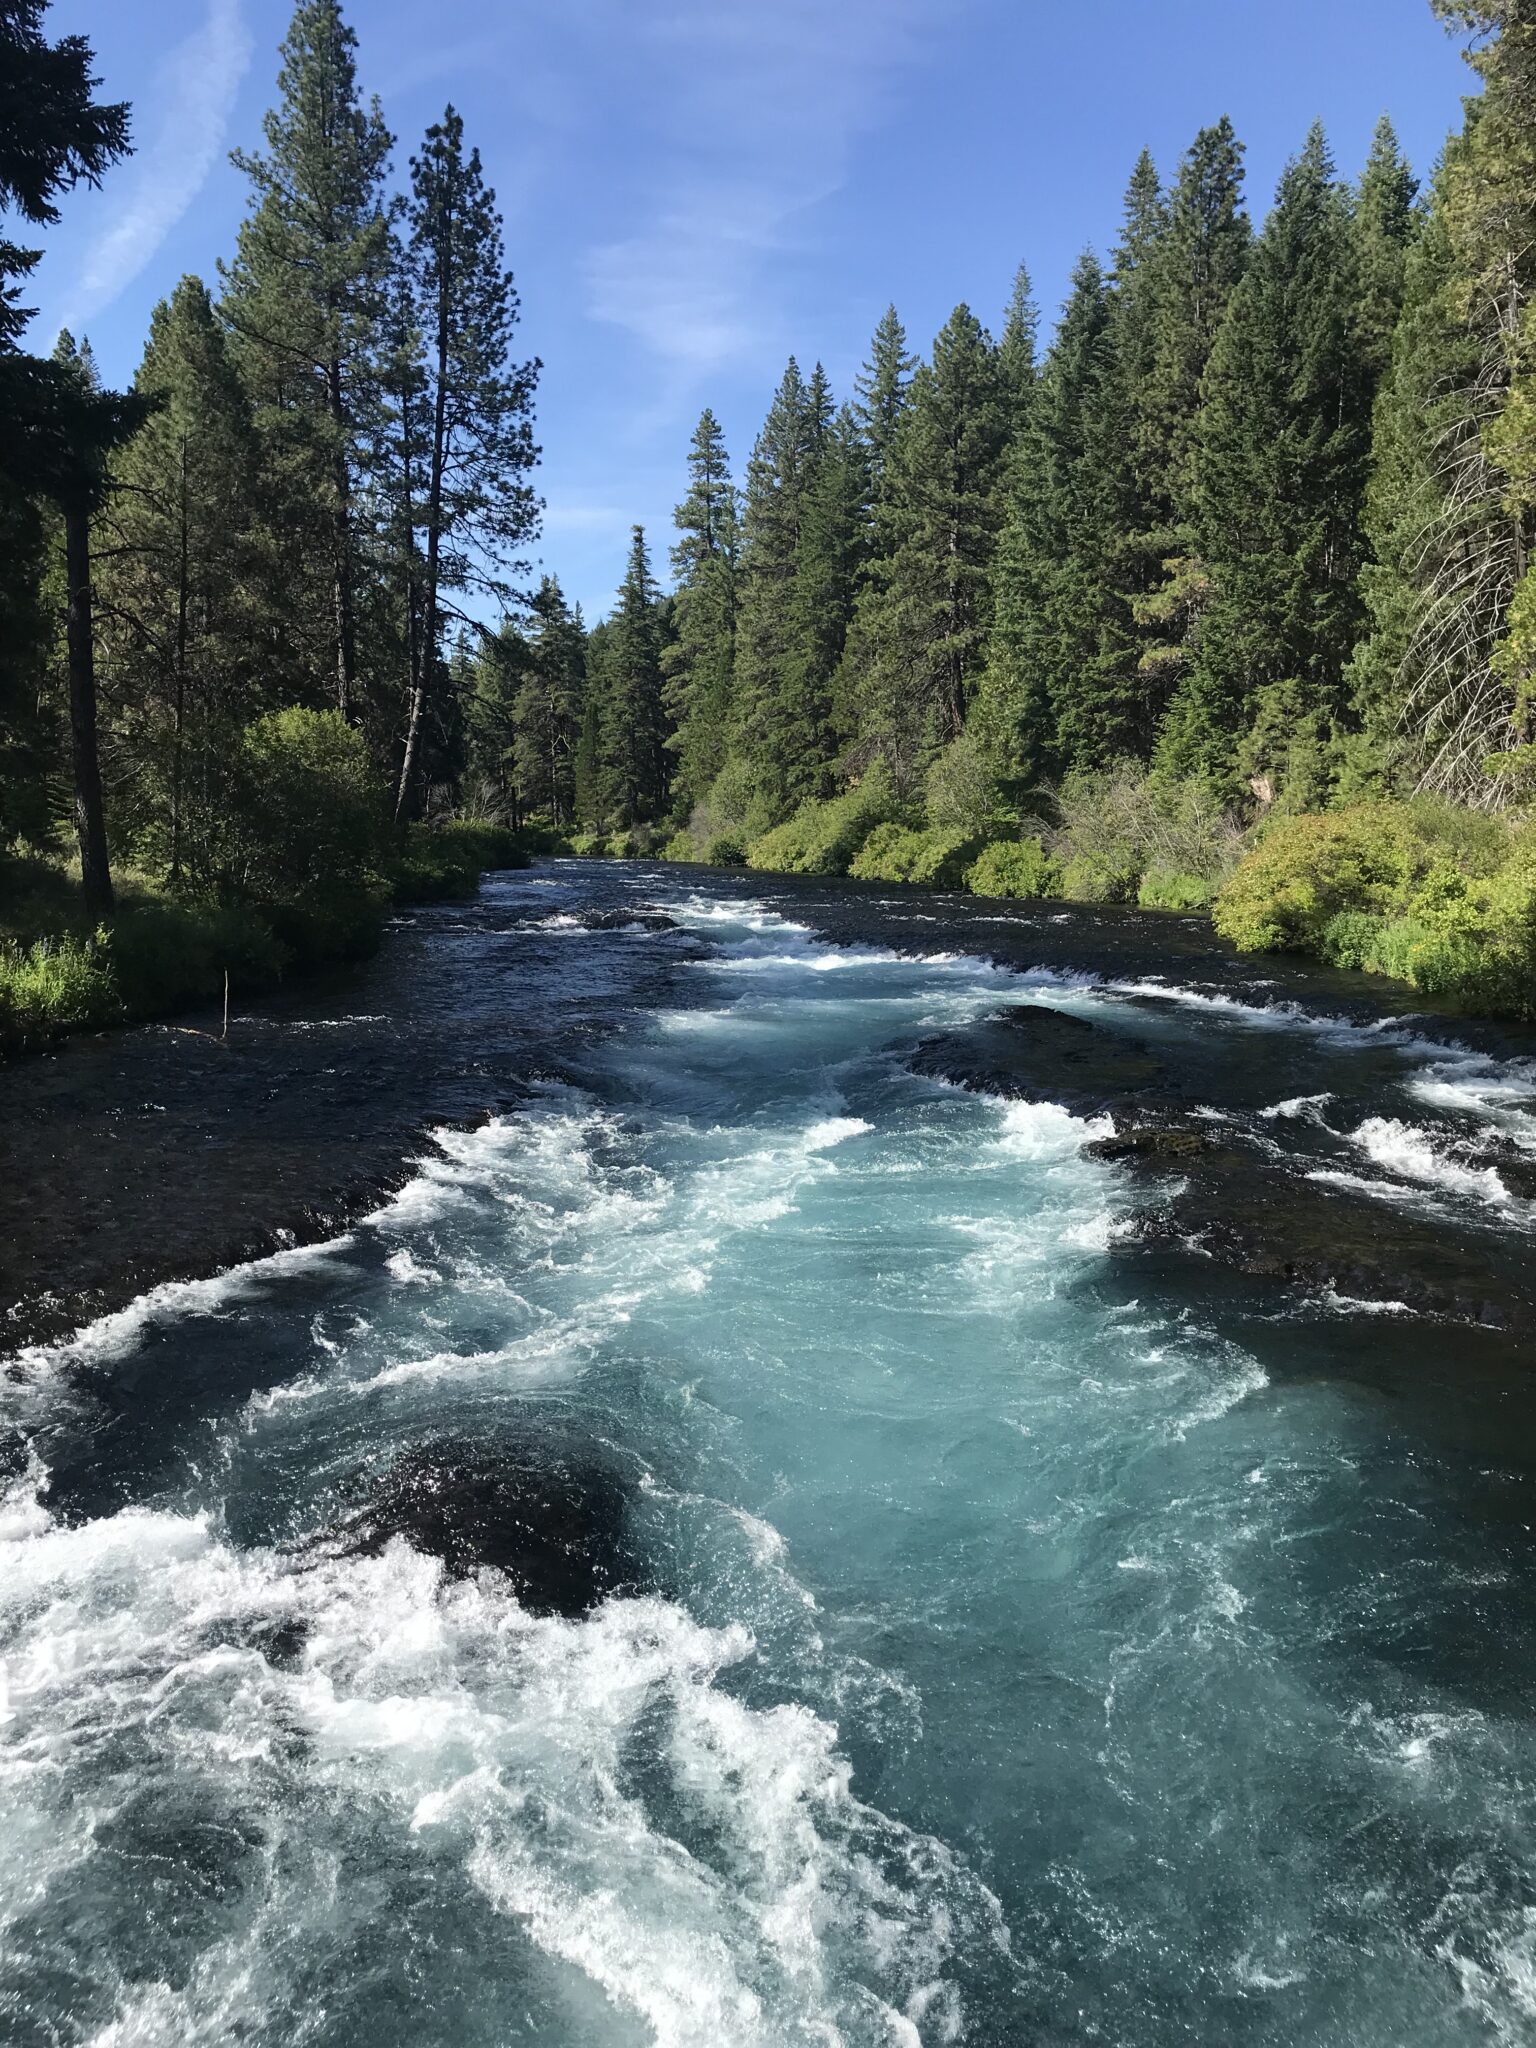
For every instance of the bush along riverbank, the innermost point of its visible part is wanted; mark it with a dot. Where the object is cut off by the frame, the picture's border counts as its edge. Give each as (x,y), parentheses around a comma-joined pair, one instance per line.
(1427,893)
(307,873)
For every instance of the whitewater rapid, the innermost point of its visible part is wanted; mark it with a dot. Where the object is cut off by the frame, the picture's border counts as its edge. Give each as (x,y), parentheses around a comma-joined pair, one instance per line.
(1010,1642)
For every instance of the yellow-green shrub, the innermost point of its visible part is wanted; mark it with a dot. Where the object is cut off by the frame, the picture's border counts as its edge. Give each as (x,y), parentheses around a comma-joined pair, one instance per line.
(1014,867)
(1444,900)
(823,839)
(896,853)
(55,985)
(1167,889)
(1099,878)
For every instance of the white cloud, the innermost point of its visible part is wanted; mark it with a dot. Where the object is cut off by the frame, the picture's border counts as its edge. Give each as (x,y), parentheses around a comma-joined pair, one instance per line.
(757,106)
(195,100)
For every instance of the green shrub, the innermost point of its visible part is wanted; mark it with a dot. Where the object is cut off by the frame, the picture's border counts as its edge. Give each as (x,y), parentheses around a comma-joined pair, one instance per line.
(961,790)
(1443,900)
(1122,823)
(1374,858)
(1100,878)
(311,815)
(1166,889)
(440,863)
(680,847)
(823,839)
(935,859)
(1014,867)
(725,850)
(589,845)
(59,984)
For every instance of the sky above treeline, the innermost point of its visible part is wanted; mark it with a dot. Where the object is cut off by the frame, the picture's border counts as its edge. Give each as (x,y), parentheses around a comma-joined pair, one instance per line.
(694,189)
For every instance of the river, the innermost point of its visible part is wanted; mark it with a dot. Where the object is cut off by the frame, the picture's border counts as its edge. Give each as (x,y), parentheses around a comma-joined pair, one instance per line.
(791,1531)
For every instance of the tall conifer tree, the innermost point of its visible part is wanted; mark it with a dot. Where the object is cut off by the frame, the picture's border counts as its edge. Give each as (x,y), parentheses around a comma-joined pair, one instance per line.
(306,298)
(478,508)
(1280,474)
(548,710)
(634,726)
(924,617)
(700,664)
(175,589)
(880,391)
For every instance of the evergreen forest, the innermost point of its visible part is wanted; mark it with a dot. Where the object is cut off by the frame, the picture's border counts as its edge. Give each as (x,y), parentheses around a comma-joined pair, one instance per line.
(1216,595)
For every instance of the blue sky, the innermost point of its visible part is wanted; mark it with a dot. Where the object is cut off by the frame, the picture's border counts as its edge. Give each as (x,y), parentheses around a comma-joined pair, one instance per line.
(695,188)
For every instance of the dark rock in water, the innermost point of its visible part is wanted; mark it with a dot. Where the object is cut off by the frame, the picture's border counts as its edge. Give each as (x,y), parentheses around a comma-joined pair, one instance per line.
(1150,1142)
(1031,1053)
(626,920)
(551,1519)
(1270,1222)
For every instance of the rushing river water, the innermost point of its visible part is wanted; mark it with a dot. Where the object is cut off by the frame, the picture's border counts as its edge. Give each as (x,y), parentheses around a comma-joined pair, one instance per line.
(948,1615)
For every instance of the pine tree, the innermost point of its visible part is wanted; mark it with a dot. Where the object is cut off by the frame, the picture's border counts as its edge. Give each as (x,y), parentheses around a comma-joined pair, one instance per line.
(478,508)
(174,587)
(1386,223)
(880,391)
(778,478)
(1430,504)
(591,781)
(1444,675)
(634,727)
(1201,261)
(701,664)
(1060,690)
(497,674)
(306,297)
(549,707)
(55,134)
(1491,203)
(829,556)
(924,618)
(1186,283)
(73,438)
(59,430)
(1018,348)
(1280,474)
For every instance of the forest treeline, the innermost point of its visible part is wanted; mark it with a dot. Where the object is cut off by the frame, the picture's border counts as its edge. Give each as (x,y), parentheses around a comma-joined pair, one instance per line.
(1248,542)
(1222,595)
(230,598)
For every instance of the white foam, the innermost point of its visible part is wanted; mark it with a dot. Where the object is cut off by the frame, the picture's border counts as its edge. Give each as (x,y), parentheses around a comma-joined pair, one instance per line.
(1413,1153)
(442,1722)
(113,1337)
(1298,1107)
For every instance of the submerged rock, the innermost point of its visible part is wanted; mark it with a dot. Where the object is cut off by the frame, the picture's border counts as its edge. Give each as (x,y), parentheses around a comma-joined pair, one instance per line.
(1149,1141)
(1227,1200)
(1032,1053)
(1276,1223)
(550,1518)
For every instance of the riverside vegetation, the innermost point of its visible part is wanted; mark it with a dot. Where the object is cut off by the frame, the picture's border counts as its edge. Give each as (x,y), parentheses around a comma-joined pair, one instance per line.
(1223,601)
(1226,600)
(233,600)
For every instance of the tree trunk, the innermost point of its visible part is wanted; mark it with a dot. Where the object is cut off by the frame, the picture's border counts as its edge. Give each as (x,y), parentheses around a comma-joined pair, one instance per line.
(341,544)
(183,601)
(405,796)
(90,819)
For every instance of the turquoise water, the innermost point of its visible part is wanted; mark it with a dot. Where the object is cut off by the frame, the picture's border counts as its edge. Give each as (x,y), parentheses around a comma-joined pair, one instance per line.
(1018,1644)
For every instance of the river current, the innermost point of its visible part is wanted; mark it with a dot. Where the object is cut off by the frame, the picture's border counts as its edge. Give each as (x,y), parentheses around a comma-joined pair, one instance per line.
(959,1620)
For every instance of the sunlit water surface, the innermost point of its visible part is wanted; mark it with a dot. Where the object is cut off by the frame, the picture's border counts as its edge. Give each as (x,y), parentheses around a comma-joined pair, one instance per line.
(1012,1655)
